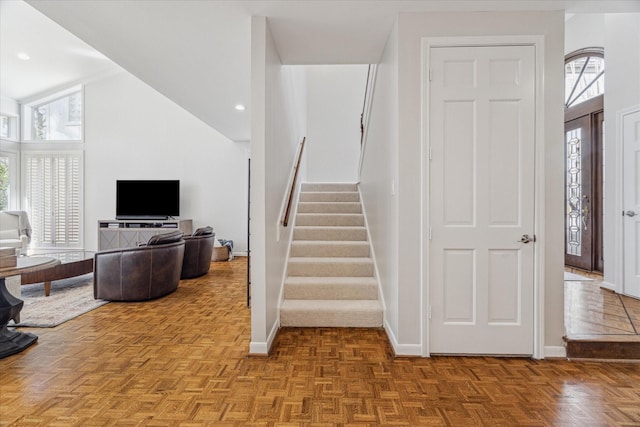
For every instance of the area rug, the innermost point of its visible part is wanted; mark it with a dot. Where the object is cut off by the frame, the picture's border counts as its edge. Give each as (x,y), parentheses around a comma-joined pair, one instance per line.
(69,298)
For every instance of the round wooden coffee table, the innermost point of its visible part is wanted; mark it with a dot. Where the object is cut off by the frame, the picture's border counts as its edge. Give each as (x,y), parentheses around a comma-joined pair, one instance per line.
(71,264)
(12,342)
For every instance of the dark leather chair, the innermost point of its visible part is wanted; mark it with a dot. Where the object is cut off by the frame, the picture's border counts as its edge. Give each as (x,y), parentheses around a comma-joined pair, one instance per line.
(141,273)
(198,249)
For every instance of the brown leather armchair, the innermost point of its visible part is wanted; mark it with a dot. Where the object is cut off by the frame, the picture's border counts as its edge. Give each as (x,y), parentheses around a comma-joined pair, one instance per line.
(198,249)
(141,273)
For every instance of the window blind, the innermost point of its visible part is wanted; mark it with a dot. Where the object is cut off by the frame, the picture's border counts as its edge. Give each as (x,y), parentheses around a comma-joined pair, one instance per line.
(54,198)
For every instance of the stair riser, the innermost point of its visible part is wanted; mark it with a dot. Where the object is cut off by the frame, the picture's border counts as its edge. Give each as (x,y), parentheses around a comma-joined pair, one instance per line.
(335,319)
(329,187)
(328,207)
(331,269)
(331,292)
(330,197)
(330,220)
(603,350)
(328,233)
(347,249)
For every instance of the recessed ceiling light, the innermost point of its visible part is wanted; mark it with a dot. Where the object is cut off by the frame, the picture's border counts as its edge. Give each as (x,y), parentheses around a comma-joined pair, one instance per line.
(24,56)
(240,107)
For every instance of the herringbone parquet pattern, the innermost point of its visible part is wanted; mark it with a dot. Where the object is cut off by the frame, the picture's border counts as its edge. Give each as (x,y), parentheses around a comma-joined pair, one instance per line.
(182,361)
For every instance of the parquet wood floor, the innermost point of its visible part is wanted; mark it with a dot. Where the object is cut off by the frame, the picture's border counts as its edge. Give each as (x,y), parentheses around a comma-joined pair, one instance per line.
(182,361)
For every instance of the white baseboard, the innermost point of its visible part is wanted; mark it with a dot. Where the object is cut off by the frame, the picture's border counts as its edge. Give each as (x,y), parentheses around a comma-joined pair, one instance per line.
(414,350)
(610,286)
(263,348)
(402,349)
(272,334)
(550,352)
(259,348)
(555,352)
(391,336)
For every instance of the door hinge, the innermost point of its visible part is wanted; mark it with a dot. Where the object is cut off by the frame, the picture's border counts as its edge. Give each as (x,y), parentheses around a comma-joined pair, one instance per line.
(430,233)
(429,312)
(430,74)
(430,154)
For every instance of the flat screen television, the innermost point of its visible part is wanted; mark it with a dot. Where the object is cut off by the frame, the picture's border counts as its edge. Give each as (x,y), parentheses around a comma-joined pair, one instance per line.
(147,199)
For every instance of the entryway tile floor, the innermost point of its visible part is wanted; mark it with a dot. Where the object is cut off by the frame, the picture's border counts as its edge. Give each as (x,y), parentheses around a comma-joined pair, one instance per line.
(599,323)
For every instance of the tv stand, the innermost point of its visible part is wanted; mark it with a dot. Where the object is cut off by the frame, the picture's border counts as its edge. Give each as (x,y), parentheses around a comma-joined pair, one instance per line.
(143,218)
(121,233)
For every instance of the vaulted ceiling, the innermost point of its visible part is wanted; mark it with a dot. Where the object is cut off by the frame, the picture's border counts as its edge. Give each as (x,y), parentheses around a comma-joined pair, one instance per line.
(198,52)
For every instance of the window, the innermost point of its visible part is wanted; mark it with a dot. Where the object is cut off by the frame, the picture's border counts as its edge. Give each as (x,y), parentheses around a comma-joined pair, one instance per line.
(53,195)
(4,183)
(8,181)
(584,76)
(4,127)
(8,128)
(56,118)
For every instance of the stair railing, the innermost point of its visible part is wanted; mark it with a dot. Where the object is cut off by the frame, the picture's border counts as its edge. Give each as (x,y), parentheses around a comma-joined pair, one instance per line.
(293,179)
(366,110)
(364,105)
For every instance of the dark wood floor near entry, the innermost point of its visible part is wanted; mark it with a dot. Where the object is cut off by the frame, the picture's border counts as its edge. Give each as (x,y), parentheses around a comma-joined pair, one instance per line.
(182,361)
(600,324)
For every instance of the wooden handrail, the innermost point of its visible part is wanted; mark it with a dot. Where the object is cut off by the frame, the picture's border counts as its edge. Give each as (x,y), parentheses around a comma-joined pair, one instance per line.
(287,212)
(366,112)
(364,105)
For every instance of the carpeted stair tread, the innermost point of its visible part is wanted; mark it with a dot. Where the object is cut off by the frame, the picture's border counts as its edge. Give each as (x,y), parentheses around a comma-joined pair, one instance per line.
(331,313)
(328,186)
(329,233)
(329,207)
(330,273)
(330,266)
(328,248)
(334,288)
(330,196)
(330,219)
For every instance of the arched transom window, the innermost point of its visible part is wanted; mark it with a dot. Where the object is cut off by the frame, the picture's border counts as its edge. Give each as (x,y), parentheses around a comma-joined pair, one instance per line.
(583,76)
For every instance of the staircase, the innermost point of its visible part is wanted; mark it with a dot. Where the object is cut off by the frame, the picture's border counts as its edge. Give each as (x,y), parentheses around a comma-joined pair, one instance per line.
(330,279)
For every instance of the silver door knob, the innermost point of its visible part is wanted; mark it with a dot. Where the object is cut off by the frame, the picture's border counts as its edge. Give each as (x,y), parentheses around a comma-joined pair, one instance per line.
(526,238)
(630,213)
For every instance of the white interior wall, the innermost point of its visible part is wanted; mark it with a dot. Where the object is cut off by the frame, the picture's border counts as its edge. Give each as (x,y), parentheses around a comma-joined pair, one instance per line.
(134,132)
(335,94)
(622,91)
(412,28)
(584,30)
(259,328)
(275,130)
(378,175)
(9,106)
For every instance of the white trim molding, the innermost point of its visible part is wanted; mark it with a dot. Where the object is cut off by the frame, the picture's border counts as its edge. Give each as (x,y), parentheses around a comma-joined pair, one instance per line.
(263,348)
(555,352)
(413,350)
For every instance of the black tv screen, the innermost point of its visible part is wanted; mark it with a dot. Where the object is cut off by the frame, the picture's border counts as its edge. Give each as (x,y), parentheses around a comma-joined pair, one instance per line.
(147,199)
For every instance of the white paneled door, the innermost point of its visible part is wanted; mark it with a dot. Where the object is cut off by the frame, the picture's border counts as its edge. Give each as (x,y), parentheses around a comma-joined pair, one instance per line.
(481,136)
(631,202)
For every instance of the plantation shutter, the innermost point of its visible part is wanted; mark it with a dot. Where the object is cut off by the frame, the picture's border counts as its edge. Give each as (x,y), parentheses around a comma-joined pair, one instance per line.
(54,198)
